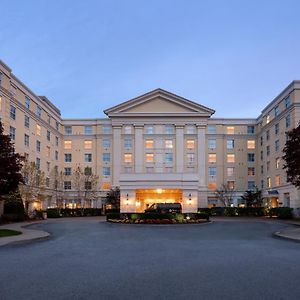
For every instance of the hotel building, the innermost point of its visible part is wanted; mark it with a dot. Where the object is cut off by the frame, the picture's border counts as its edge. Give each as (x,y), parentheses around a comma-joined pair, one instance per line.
(157,147)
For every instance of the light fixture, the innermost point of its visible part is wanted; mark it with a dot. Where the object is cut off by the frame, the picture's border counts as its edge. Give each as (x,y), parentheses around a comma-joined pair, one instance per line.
(127,200)
(159,191)
(190,199)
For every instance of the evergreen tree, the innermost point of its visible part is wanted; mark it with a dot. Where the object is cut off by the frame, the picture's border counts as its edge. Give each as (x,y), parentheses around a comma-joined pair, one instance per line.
(10,167)
(292,156)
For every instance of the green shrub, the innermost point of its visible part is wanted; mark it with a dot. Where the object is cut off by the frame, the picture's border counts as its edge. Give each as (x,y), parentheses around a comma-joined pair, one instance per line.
(217,211)
(251,211)
(202,215)
(13,218)
(230,211)
(53,213)
(281,212)
(113,216)
(206,210)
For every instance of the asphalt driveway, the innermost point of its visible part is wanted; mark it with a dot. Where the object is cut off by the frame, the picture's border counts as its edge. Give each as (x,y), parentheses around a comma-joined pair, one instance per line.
(88,259)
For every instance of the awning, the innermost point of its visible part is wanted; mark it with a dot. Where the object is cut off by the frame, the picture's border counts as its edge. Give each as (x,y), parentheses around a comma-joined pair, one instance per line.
(273,192)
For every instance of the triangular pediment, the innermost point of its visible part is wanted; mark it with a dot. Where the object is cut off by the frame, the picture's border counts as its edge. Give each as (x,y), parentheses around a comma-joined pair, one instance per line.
(159,102)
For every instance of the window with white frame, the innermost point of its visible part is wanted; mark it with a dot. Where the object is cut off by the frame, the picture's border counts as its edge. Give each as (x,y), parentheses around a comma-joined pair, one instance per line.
(288,121)
(26,121)
(67,144)
(26,140)
(212,171)
(106,157)
(211,129)
(12,133)
(168,157)
(230,158)
(190,144)
(149,157)
(38,146)
(190,129)
(38,111)
(68,129)
(88,129)
(12,112)
(27,102)
(230,171)
(149,129)
(169,129)
(168,144)
(149,144)
(106,143)
(68,157)
(212,144)
(128,144)
(128,158)
(88,145)
(106,171)
(88,157)
(230,144)
(190,157)
(106,129)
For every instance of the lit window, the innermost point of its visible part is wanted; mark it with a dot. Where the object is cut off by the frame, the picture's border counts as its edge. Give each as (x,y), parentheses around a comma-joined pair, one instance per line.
(169,129)
(231,185)
(88,130)
(149,144)
(251,171)
(88,145)
(169,157)
(190,144)
(190,157)
(212,144)
(212,171)
(269,183)
(230,172)
(88,157)
(68,129)
(127,143)
(68,144)
(190,129)
(230,158)
(277,163)
(211,129)
(168,144)
(212,186)
(12,112)
(212,158)
(106,185)
(230,144)
(149,129)
(277,180)
(127,157)
(230,129)
(0,97)
(149,157)
(268,119)
(251,144)
(127,129)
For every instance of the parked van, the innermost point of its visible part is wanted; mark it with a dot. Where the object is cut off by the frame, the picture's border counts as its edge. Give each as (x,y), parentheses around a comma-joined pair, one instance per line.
(164,208)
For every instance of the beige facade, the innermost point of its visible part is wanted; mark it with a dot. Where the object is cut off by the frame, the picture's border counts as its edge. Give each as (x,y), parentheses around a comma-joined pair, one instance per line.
(158,147)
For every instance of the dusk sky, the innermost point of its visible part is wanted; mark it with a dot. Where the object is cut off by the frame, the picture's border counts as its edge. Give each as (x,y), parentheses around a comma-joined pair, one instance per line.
(86,56)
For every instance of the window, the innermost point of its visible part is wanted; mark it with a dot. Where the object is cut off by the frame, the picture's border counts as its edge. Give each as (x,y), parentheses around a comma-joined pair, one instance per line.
(106,129)
(190,157)
(38,146)
(262,184)
(48,135)
(251,185)
(230,144)
(106,157)
(88,157)
(56,141)
(277,145)
(190,129)
(212,158)
(68,157)
(287,101)
(230,158)
(127,130)
(269,183)
(26,121)
(268,166)
(190,144)
(38,111)
(251,157)
(212,171)
(276,128)
(27,102)
(127,157)
(268,150)
(38,163)
(267,135)
(49,119)
(276,111)
(56,155)
(212,186)
(26,140)
(57,125)
(261,169)
(277,162)
(211,129)
(277,180)
(88,145)
(87,171)
(1,77)
(286,200)
(12,112)
(48,166)
(88,129)
(169,157)
(38,129)
(288,121)
(68,171)
(261,155)
(212,144)
(231,185)
(106,171)
(12,133)
(149,157)
(261,140)
(251,144)
(149,129)
(0,100)
(149,144)
(128,170)
(169,129)
(230,130)
(106,185)
(67,185)
(250,129)
(251,171)
(230,172)
(268,119)
(47,151)
(68,144)
(68,129)
(106,144)
(127,144)
(88,185)
(168,144)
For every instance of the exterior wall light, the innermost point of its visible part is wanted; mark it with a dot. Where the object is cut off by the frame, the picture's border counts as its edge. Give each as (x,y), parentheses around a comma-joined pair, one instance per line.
(190,199)
(127,200)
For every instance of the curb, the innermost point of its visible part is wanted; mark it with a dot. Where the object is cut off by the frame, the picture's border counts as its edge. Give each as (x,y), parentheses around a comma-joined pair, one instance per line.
(279,235)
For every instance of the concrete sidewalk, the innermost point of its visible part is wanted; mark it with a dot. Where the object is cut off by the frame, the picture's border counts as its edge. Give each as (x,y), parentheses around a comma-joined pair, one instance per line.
(27,234)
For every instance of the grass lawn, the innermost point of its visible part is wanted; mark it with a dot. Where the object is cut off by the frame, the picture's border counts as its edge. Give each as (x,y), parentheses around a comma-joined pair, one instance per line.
(8,232)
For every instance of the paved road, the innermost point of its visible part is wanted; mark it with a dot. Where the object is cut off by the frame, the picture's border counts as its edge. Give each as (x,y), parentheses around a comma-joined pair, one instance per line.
(92,260)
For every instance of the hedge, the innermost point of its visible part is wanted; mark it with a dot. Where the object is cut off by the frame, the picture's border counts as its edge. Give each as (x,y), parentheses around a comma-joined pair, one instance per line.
(281,212)
(77,212)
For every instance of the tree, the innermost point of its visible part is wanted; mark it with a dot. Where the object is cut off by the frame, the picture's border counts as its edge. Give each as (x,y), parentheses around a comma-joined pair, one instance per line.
(253,198)
(292,156)
(225,194)
(85,185)
(33,188)
(10,167)
(113,198)
(57,186)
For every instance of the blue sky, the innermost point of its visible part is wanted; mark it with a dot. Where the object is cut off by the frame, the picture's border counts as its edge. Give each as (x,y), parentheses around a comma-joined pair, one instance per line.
(86,56)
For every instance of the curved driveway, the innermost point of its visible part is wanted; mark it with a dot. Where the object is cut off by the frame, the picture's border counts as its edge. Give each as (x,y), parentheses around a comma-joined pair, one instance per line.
(88,259)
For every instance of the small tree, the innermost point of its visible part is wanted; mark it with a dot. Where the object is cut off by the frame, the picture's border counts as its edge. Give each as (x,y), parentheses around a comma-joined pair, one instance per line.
(113,198)
(253,198)
(225,194)
(33,188)
(292,156)
(57,186)
(10,167)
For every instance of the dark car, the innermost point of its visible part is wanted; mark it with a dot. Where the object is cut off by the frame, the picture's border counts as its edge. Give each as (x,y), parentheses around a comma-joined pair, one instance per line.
(164,208)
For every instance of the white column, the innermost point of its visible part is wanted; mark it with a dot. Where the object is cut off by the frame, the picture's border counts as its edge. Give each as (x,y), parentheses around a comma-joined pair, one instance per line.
(117,155)
(138,148)
(201,155)
(179,149)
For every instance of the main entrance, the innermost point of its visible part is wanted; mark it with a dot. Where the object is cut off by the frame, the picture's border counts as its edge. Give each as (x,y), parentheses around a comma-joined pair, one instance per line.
(146,197)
